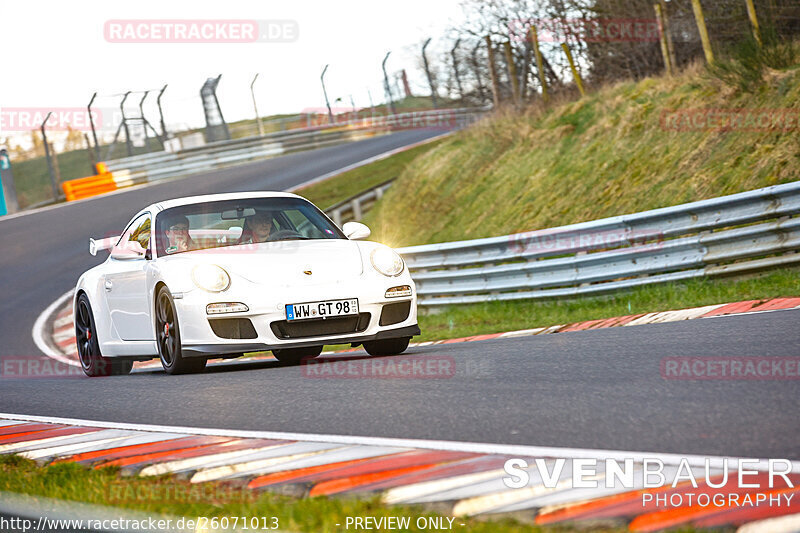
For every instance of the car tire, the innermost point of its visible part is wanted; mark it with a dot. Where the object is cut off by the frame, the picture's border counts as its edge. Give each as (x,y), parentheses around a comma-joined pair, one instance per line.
(92,361)
(168,338)
(296,355)
(387,346)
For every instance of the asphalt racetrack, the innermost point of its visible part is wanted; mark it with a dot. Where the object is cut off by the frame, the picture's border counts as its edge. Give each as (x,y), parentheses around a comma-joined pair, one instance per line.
(600,389)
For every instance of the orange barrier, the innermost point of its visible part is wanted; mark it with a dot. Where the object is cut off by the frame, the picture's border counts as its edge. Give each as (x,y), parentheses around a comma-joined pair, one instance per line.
(92,186)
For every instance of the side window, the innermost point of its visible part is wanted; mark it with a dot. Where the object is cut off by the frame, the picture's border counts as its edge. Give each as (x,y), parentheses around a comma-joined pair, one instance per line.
(139,230)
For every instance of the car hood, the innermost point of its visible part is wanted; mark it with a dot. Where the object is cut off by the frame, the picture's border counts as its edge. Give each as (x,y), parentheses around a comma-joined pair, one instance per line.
(284,263)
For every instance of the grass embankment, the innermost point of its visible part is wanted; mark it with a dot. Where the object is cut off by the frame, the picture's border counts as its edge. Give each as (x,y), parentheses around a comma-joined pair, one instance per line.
(604,155)
(175,497)
(326,193)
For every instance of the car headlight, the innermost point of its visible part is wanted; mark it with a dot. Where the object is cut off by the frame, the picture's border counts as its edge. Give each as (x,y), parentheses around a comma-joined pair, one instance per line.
(387,261)
(211,278)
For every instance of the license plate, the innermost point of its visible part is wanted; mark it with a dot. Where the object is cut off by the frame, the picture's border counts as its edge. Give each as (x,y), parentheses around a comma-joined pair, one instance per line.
(324,309)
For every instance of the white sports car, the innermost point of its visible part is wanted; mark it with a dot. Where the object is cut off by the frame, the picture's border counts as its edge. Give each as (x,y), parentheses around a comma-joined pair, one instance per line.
(226,274)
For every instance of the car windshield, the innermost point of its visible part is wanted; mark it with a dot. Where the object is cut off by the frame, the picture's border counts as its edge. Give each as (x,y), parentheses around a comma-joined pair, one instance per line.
(239,222)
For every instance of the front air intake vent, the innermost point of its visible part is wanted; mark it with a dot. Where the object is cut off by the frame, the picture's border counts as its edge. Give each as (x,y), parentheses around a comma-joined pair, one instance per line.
(298,329)
(233,328)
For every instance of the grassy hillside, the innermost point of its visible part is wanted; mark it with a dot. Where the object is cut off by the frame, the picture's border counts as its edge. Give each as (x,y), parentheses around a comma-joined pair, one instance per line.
(604,155)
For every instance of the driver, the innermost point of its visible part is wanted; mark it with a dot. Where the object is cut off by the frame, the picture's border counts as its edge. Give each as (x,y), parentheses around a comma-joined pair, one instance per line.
(178,235)
(257,228)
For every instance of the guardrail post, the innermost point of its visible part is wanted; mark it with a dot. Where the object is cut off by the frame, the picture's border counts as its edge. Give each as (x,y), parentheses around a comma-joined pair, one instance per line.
(539,63)
(512,71)
(493,72)
(701,27)
(356,205)
(575,73)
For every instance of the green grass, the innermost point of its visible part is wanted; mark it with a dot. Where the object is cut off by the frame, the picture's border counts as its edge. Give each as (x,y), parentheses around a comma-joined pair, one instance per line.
(176,497)
(495,317)
(604,155)
(326,193)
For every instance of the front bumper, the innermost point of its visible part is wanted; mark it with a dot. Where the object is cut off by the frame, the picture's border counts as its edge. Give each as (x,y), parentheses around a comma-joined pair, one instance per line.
(207,350)
(266,309)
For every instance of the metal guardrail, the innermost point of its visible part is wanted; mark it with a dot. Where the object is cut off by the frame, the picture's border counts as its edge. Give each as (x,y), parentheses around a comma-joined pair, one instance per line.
(736,234)
(183,163)
(161,165)
(354,207)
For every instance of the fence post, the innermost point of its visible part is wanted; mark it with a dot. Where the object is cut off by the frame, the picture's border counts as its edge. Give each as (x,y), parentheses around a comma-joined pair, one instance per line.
(670,45)
(701,27)
(428,74)
(493,73)
(663,36)
(49,157)
(512,71)
(575,73)
(751,12)
(539,62)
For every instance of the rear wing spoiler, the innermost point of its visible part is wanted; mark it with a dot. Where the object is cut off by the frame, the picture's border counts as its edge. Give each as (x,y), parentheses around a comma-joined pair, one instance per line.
(102,244)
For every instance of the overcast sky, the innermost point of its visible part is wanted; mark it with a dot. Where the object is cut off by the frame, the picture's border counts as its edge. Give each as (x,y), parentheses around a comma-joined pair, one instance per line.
(55,53)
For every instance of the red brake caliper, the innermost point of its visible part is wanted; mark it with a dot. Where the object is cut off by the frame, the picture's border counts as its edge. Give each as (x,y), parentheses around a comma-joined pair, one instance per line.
(166,330)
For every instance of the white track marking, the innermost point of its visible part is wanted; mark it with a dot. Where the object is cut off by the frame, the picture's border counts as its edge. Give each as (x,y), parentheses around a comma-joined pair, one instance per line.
(419,491)
(40,328)
(347,453)
(513,450)
(104,444)
(782,524)
(60,440)
(293,452)
(521,333)
(194,463)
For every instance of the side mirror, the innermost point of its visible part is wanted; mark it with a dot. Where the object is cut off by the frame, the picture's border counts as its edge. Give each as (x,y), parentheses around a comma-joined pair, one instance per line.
(355,231)
(129,250)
